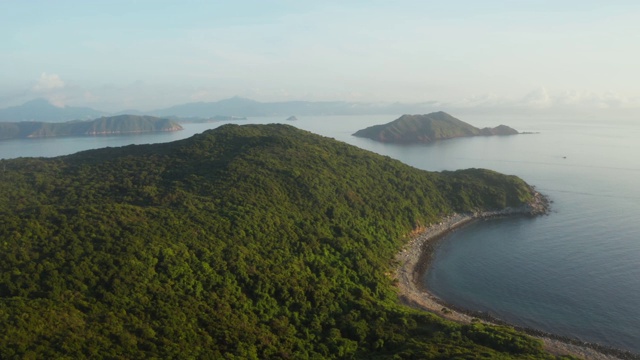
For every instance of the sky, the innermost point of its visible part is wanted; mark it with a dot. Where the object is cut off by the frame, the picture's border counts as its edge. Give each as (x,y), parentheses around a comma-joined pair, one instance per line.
(149,54)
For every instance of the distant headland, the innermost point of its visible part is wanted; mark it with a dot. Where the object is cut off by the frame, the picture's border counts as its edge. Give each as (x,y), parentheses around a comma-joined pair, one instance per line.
(409,129)
(113,125)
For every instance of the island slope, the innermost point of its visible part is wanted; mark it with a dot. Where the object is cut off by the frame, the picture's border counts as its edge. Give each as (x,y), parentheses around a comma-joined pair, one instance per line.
(435,126)
(113,125)
(245,241)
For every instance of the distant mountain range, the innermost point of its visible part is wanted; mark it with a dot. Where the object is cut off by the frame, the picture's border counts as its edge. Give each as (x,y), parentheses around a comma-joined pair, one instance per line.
(238,106)
(427,128)
(42,110)
(114,125)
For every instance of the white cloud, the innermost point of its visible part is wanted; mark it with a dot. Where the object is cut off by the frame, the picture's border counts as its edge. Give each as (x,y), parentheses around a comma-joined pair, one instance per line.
(484,100)
(541,99)
(52,88)
(537,99)
(588,99)
(48,82)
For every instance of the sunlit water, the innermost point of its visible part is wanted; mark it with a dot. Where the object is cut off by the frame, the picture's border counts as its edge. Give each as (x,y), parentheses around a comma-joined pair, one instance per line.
(575,272)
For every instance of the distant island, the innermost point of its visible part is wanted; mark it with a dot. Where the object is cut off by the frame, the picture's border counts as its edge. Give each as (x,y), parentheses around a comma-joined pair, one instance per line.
(113,125)
(409,129)
(292,118)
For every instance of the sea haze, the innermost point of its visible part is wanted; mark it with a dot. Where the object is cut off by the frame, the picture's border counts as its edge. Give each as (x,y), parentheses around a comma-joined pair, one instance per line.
(575,272)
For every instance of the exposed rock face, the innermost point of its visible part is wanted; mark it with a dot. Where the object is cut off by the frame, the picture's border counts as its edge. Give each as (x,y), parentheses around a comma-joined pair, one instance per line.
(427,128)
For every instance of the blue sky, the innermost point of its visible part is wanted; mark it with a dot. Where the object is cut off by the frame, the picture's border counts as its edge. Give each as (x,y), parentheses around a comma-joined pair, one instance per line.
(114,55)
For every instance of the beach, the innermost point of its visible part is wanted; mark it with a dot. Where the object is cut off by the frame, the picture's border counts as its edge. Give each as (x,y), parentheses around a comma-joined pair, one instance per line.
(415,258)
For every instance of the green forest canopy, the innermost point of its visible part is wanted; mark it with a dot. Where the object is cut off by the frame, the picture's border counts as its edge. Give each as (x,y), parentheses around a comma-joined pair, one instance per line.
(256,241)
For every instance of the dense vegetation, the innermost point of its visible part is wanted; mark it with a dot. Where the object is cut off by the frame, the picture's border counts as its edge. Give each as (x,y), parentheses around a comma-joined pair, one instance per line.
(242,242)
(113,125)
(427,128)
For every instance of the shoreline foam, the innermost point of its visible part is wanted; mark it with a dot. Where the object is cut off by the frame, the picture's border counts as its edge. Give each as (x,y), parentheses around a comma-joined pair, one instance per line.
(415,259)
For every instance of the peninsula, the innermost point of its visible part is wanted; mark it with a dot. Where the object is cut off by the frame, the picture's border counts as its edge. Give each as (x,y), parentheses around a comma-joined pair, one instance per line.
(113,125)
(409,129)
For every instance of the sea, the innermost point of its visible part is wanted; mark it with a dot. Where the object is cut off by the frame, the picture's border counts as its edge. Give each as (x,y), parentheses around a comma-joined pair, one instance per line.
(574,272)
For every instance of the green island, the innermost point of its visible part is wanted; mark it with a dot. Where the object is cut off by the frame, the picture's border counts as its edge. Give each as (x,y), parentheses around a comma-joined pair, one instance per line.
(409,129)
(112,125)
(243,242)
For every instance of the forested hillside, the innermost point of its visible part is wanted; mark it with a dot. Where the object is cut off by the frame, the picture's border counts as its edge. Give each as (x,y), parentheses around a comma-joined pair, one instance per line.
(242,242)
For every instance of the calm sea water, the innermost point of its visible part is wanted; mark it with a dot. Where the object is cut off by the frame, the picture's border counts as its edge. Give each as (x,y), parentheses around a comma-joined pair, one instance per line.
(575,272)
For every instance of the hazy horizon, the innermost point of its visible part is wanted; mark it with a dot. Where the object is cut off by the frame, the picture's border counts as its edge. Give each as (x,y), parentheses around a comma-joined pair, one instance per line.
(494,55)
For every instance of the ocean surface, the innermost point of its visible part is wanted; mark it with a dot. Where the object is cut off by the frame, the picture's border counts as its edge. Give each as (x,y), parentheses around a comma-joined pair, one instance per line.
(575,272)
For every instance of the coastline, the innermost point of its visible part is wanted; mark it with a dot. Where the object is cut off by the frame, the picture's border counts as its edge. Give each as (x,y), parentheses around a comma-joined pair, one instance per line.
(415,258)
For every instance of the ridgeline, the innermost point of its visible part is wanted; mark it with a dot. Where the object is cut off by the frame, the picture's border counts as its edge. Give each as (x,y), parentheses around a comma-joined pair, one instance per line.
(241,242)
(409,129)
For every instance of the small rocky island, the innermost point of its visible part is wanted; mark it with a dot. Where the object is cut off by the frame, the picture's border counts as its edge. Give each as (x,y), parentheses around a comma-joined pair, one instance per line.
(411,129)
(113,125)
(292,118)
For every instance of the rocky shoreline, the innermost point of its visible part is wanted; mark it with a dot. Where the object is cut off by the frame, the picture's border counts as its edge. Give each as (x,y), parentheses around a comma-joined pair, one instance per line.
(415,259)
